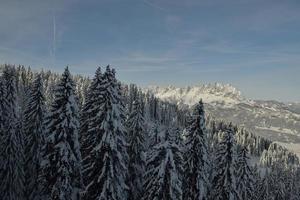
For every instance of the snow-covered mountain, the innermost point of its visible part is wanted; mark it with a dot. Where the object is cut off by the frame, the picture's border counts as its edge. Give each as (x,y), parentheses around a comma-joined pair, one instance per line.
(274,120)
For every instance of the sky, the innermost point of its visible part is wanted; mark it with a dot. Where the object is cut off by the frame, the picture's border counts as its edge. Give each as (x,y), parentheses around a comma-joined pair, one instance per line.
(253,45)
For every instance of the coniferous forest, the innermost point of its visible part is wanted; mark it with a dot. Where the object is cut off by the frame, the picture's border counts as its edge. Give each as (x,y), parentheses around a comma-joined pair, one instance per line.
(69,137)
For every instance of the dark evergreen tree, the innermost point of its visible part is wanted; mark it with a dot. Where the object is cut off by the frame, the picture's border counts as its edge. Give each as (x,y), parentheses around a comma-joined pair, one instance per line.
(133,96)
(61,164)
(295,184)
(105,166)
(153,136)
(91,108)
(277,181)
(141,99)
(163,178)
(34,131)
(257,179)
(262,191)
(224,181)
(245,180)
(3,104)
(136,164)
(196,157)
(91,98)
(12,155)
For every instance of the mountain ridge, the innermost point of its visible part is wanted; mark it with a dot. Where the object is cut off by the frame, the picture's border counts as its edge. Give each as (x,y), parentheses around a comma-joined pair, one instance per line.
(275,120)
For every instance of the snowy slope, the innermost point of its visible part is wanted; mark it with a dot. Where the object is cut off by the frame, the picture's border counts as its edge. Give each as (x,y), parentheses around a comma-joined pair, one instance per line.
(274,120)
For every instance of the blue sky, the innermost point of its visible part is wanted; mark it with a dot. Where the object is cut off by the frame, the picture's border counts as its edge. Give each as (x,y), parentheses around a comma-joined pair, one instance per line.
(251,44)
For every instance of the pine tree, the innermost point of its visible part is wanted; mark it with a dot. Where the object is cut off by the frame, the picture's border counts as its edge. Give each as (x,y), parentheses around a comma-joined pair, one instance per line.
(196,157)
(105,163)
(61,165)
(163,178)
(34,130)
(136,167)
(224,182)
(12,172)
(245,181)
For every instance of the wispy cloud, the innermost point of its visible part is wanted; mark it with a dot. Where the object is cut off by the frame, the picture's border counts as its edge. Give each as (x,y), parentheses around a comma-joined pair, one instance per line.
(154,5)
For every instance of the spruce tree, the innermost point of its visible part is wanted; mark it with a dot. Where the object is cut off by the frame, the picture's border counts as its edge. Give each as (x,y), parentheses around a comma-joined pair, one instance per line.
(61,165)
(34,130)
(224,181)
(136,167)
(12,155)
(245,181)
(163,177)
(196,157)
(105,163)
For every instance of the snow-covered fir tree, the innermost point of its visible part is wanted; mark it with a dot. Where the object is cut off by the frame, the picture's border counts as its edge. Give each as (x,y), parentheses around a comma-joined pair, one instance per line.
(61,164)
(262,189)
(277,181)
(163,177)
(136,148)
(12,154)
(196,157)
(224,181)
(34,131)
(90,110)
(245,179)
(2,101)
(132,96)
(23,82)
(153,136)
(295,195)
(92,96)
(2,115)
(105,164)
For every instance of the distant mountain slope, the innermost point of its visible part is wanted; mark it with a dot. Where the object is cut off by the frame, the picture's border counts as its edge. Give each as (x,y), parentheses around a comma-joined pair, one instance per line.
(274,120)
